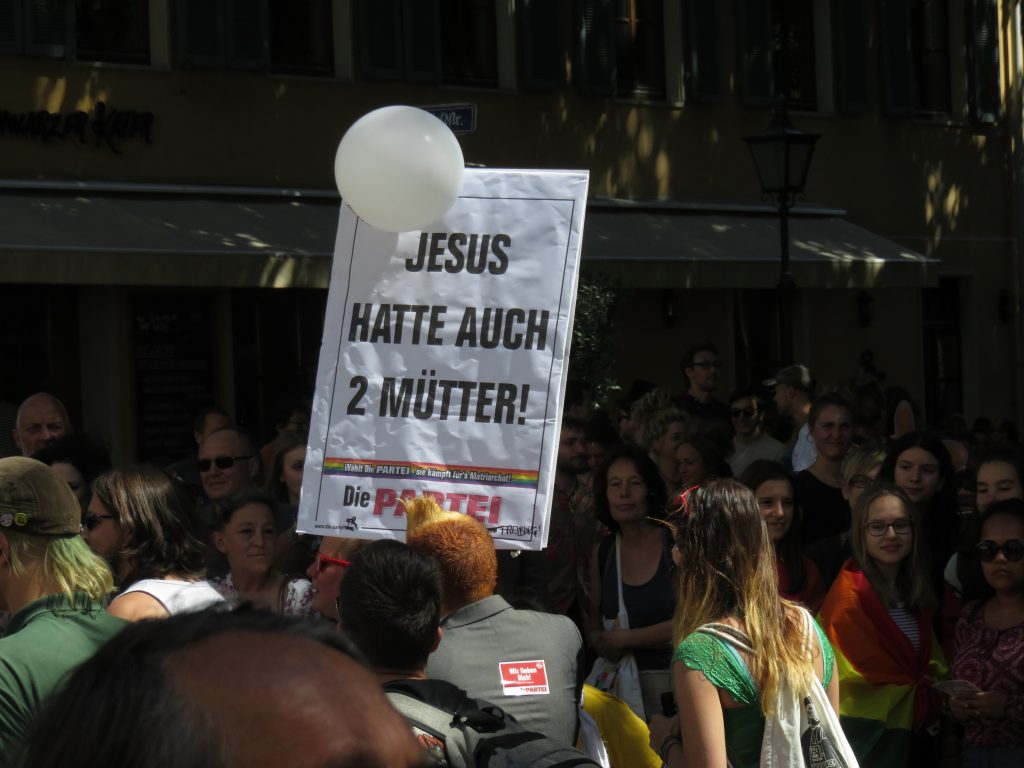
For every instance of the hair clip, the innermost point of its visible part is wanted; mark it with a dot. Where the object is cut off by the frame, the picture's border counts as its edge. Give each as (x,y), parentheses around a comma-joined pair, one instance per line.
(684,501)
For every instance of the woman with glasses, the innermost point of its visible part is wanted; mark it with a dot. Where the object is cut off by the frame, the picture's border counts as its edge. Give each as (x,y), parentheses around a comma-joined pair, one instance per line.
(878,616)
(141,521)
(999,476)
(333,558)
(990,645)
(246,536)
(859,470)
(920,464)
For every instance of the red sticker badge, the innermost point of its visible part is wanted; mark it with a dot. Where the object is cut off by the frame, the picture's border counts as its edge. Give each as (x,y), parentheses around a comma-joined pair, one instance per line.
(523,678)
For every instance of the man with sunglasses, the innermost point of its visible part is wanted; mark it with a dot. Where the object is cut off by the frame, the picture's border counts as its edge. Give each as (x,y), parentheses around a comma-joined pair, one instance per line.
(750,442)
(228,463)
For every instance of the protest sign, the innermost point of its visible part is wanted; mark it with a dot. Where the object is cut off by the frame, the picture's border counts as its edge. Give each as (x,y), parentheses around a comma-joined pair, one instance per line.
(442,367)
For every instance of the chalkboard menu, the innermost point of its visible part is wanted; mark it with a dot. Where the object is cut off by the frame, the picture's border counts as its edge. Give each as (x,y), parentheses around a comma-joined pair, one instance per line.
(173,372)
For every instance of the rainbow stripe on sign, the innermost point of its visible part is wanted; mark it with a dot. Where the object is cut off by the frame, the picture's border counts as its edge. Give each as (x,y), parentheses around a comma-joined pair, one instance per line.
(413,470)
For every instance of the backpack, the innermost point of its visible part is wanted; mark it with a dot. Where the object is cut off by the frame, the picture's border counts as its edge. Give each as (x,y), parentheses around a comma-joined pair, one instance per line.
(463,732)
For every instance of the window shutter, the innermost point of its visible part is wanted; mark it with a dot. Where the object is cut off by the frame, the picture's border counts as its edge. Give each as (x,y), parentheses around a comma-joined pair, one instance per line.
(852,58)
(543,45)
(421,33)
(596,53)
(757,73)
(380,28)
(10,26)
(986,105)
(704,67)
(248,40)
(897,59)
(47,28)
(201,33)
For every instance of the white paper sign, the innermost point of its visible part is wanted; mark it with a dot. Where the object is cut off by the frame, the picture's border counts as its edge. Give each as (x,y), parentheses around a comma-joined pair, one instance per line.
(443,359)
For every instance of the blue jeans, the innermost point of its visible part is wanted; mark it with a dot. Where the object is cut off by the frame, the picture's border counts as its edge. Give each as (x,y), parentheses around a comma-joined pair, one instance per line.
(977,756)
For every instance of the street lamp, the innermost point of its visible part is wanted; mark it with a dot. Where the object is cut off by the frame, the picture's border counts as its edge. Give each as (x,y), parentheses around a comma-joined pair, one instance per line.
(782,155)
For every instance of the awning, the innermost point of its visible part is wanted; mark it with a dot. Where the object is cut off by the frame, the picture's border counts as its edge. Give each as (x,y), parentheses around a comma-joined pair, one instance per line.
(658,248)
(235,237)
(229,240)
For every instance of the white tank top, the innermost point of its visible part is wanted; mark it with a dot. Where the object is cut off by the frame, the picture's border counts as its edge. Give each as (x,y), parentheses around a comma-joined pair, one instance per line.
(177,596)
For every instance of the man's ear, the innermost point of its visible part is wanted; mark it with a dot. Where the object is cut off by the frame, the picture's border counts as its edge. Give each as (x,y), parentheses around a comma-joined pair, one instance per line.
(254,467)
(437,640)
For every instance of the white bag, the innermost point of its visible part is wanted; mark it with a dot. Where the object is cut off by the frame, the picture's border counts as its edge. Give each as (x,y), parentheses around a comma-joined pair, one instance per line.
(805,731)
(620,678)
(589,741)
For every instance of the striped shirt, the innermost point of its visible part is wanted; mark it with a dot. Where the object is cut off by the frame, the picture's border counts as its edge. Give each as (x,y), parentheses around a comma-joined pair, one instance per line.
(907,622)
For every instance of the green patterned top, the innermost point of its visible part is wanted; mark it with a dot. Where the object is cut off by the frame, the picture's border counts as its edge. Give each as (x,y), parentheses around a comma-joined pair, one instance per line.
(725,668)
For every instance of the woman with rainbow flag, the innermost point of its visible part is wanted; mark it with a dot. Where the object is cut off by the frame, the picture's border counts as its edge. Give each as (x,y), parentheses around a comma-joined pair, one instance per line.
(878,616)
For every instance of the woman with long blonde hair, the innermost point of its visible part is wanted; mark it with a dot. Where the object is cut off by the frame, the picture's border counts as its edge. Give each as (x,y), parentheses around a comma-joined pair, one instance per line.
(728,587)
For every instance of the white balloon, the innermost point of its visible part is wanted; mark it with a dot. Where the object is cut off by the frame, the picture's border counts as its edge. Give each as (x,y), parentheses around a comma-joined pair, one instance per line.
(399,168)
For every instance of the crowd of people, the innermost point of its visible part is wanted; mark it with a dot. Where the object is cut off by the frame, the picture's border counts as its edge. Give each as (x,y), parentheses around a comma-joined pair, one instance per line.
(729,558)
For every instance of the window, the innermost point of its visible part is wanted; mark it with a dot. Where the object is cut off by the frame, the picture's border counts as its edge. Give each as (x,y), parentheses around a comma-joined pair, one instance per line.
(622,47)
(287,36)
(100,30)
(639,48)
(941,58)
(778,54)
(438,41)
(301,37)
(112,30)
(793,58)
(929,45)
(468,50)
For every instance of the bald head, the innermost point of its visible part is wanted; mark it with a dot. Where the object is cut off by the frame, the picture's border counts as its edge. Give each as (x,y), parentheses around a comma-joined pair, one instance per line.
(326,709)
(222,690)
(42,420)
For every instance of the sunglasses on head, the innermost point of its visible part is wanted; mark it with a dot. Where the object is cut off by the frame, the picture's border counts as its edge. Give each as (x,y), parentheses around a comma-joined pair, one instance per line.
(1013,550)
(91,521)
(322,561)
(222,462)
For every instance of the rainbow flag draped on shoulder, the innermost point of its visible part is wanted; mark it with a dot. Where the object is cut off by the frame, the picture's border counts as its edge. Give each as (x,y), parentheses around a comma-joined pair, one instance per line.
(884,695)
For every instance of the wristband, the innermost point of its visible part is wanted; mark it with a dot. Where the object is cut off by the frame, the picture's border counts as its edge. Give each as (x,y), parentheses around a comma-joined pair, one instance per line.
(672,740)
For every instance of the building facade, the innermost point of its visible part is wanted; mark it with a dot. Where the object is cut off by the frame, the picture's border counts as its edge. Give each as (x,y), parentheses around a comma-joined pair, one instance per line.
(168,205)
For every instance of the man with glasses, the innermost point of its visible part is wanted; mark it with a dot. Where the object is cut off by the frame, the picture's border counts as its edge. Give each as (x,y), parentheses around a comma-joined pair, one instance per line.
(702,368)
(750,442)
